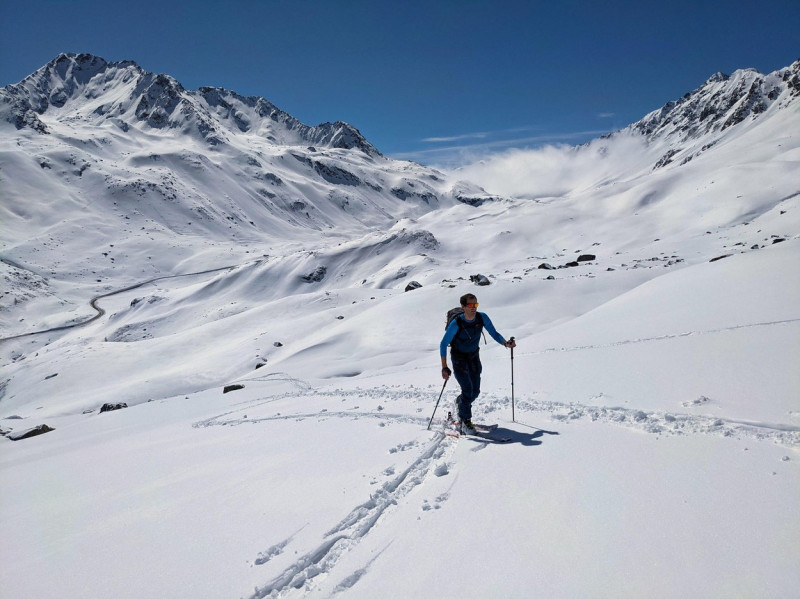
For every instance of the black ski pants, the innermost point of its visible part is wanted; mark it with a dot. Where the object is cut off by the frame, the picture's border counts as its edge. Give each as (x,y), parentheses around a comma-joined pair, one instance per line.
(467,370)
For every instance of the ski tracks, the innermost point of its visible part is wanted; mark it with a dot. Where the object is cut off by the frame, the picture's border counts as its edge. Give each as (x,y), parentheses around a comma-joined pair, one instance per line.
(656,422)
(668,337)
(297,579)
(353,528)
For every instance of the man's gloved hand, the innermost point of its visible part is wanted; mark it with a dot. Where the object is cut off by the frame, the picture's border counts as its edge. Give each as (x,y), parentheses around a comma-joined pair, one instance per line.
(446,372)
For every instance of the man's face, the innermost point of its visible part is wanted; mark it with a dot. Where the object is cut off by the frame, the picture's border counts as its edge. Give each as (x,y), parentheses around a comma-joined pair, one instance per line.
(471,308)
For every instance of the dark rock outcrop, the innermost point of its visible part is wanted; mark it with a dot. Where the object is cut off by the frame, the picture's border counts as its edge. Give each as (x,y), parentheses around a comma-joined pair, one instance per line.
(31,432)
(479,279)
(316,276)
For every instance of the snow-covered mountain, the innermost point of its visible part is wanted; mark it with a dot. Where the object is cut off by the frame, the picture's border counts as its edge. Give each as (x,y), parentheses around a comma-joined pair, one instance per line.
(81,88)
(698,121)
(97,112)
(162,246)
(721,102)
(152,170)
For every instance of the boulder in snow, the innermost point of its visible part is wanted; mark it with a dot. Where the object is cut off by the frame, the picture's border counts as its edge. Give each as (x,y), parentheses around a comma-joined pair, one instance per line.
(316,276)
(480,280)
(31,432)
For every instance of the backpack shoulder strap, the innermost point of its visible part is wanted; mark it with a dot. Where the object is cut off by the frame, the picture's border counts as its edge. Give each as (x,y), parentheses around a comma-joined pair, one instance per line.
(479,318)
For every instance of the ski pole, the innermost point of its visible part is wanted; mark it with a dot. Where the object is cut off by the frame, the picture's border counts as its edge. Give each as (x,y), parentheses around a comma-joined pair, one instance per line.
(513,417)
(437,402)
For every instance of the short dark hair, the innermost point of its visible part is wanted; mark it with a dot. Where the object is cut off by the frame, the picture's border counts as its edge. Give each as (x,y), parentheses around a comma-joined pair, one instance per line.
(467,298)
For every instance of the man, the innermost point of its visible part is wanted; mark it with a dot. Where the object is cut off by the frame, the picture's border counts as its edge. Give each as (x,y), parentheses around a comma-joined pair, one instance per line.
(463,334)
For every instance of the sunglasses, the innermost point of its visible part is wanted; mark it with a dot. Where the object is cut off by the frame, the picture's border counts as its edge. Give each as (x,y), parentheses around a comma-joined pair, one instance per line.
(472,305)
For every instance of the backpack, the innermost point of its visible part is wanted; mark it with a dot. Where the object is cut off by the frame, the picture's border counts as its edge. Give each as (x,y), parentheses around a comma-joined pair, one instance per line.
(453,313)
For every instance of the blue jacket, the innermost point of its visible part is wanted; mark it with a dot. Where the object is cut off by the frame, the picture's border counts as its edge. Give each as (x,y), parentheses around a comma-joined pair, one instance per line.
(467,336)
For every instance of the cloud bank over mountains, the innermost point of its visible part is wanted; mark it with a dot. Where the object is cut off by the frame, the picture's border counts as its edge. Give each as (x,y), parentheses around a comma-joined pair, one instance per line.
(680,130)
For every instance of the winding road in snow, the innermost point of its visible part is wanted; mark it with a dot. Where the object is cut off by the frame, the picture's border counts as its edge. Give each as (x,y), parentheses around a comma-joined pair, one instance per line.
(93,302)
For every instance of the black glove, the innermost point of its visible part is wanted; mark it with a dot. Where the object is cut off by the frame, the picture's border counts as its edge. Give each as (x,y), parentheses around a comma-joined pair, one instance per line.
(446,372)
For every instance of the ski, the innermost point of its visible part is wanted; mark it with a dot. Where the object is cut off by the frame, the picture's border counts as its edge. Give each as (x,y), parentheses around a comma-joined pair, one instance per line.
(484,428)
(485,436)
(482,431)
(480,427)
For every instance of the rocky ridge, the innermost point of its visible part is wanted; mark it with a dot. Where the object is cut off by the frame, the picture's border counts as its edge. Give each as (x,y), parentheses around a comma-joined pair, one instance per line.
(721,102)
(83,86)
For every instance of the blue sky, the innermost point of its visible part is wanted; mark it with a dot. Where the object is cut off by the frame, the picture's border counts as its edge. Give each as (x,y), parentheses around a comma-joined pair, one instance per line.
(425,80)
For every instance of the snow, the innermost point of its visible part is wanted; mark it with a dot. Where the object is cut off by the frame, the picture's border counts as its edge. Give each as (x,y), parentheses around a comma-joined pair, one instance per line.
(655,449)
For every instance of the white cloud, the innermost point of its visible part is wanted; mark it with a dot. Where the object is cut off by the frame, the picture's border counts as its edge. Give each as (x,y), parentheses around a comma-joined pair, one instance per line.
(456,137)
(555,170)
(456,155)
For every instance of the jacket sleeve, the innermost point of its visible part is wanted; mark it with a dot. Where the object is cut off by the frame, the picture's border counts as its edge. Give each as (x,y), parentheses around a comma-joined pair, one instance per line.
(487,323)
(449,335)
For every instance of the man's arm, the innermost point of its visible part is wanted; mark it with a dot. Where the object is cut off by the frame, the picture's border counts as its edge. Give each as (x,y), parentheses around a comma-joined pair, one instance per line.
(449,335)
(487,322)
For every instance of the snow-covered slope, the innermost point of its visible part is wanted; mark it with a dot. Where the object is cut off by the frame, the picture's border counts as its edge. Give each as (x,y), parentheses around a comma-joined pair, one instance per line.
(154,171)
(655,304)
(721,102)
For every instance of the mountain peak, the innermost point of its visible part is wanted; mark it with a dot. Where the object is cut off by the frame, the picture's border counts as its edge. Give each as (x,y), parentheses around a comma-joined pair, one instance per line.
(717,78)
(721,102)
(71,69)
(86,87)
(342,135)
(79,63)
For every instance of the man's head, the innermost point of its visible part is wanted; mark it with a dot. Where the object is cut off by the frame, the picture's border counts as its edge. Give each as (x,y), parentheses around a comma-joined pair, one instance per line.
(470,304)
(468,299)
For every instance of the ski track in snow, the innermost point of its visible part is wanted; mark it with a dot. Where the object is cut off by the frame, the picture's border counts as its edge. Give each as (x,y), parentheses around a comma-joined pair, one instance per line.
(351,580)
(352,529)
(274,551)
(660,337)
(346,534)
(667,423)
(655,422)
(647,421)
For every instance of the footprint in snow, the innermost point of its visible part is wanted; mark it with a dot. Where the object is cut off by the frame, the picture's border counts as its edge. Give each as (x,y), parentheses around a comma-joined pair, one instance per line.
(404,447)
(441,470)
(697,402)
